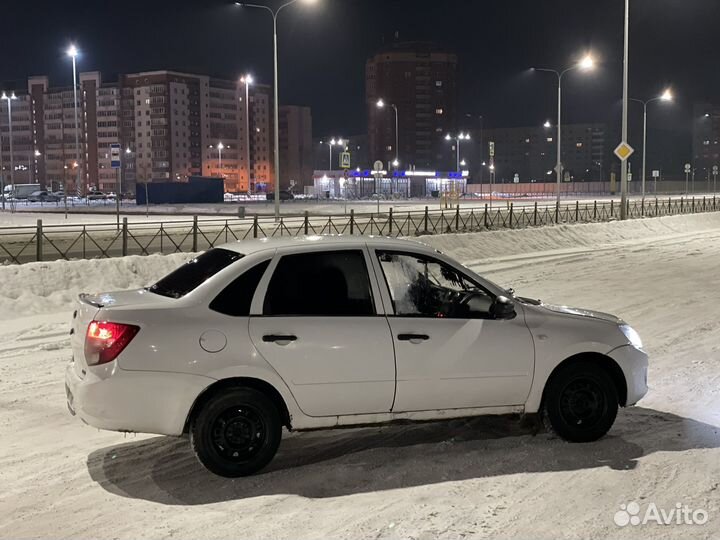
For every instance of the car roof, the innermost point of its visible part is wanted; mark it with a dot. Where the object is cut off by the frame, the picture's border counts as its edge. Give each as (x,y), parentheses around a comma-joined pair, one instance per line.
(246,247)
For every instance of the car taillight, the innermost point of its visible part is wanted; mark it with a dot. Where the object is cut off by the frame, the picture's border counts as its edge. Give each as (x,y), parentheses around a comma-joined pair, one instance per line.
(104,341)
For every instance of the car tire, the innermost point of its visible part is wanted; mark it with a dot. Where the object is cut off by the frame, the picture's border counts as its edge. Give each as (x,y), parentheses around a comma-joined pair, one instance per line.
(236,432)
(580,402)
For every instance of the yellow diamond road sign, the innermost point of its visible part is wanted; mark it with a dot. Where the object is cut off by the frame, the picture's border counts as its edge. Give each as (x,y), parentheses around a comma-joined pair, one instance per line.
(624,151)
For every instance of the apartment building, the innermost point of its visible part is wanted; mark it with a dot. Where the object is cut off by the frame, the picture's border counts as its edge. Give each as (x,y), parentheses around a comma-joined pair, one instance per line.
(706,138)
(420,81)
(170,126)
(296,147)
(531,152)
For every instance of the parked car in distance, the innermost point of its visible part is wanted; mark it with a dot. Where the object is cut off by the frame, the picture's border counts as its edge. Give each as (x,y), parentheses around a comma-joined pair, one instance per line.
(43,196)
(284,195)
(96,195)
(322,332)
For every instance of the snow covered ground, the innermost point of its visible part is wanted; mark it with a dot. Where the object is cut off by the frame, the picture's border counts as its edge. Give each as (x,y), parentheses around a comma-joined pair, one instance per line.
(489,477)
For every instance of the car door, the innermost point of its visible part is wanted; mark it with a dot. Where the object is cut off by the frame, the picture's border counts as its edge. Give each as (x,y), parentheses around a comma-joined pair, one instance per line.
(319,328)
(446,357)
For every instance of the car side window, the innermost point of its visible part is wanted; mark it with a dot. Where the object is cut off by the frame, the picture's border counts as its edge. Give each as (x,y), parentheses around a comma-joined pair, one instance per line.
(332,283)
(422,286)
(236,298)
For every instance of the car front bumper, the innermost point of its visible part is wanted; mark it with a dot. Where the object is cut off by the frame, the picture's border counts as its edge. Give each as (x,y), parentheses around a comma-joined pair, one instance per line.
(634,364)
(133,401)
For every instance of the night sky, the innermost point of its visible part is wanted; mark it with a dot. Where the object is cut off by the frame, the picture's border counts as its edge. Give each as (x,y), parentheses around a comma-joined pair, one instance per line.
(323,49)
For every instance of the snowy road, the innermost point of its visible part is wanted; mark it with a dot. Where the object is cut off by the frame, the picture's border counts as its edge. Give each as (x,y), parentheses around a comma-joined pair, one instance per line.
(489,477)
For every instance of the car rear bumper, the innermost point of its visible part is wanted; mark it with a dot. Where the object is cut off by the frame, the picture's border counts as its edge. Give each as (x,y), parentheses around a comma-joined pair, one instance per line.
(634,364)
(133,401)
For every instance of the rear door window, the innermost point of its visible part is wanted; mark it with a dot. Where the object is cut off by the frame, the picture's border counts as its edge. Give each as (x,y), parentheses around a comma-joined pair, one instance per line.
(236,298)
(195,272)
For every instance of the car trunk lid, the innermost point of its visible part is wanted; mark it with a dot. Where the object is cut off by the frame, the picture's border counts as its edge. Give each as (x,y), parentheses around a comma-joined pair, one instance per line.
(98,306)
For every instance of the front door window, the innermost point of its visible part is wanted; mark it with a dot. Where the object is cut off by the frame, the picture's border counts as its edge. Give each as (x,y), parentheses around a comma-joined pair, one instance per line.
(425,287)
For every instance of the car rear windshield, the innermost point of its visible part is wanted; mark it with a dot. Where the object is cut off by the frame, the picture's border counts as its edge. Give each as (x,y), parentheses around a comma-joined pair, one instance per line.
(195,272)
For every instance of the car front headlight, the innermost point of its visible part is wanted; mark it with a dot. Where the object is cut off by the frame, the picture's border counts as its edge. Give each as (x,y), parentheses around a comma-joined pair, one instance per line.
(632,336)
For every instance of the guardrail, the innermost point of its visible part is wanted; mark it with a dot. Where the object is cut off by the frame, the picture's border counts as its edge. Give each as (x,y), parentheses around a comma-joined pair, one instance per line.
(44,242)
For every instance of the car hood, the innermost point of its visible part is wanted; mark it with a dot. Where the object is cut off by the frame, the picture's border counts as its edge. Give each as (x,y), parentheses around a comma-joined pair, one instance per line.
(579,312)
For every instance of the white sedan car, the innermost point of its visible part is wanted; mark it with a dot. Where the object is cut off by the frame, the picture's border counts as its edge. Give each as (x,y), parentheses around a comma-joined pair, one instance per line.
(323,332)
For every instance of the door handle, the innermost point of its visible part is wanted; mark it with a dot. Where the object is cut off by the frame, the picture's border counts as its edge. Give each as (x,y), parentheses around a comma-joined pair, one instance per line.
(272,338)
(413,337)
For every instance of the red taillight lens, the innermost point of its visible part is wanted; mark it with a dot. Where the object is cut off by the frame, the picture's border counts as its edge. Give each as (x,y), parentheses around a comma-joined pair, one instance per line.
(106,340)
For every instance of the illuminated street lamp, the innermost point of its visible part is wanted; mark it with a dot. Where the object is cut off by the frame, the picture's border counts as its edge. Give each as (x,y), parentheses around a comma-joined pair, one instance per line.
(72,52)
(461,137)
(10,98)
(247,80)
(220,148)
(586,64)
(380,105)
(333,142)
(665,96)
(276,101)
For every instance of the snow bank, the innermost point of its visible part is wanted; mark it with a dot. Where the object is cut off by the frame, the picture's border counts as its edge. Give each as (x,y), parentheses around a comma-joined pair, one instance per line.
(48,287)
(472,247)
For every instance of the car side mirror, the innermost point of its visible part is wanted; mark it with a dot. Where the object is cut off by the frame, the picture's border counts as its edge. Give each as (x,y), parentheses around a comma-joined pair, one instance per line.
(503,308)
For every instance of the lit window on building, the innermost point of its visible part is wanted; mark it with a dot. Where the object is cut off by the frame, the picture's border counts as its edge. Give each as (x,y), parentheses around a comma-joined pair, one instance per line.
(438,111)
(549,139)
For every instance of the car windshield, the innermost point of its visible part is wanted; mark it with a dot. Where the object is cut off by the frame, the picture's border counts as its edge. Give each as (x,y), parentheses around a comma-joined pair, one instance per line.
(194,273)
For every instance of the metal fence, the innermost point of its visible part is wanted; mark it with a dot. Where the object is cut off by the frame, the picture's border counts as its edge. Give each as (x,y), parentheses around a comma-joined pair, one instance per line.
(44,242)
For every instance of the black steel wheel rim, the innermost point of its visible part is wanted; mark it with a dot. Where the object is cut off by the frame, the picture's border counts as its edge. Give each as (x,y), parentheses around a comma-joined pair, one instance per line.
(582,403)
(238,433)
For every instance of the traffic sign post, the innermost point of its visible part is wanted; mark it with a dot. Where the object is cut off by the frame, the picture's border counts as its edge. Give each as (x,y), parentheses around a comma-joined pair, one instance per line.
(378,167)
(688,168)
(115,163)
(655,175)
(491,148)
(345,160)
(624,151)
(516,178)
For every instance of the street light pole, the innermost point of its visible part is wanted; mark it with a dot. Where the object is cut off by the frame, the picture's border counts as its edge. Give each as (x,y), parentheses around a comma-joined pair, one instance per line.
(458,139)
(220,148)
(380,104)
(585,64)
(623,168)
(73,52)
(10,99)
(666,96)
(247,81)
(397,135)
(276,106)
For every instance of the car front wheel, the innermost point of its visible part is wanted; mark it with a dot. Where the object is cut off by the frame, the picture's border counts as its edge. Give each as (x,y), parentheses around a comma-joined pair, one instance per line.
(580,402)
(236,433)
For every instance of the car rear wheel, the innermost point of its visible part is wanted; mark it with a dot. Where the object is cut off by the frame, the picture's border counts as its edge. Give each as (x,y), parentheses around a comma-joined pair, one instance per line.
(580,402)
(236,433)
